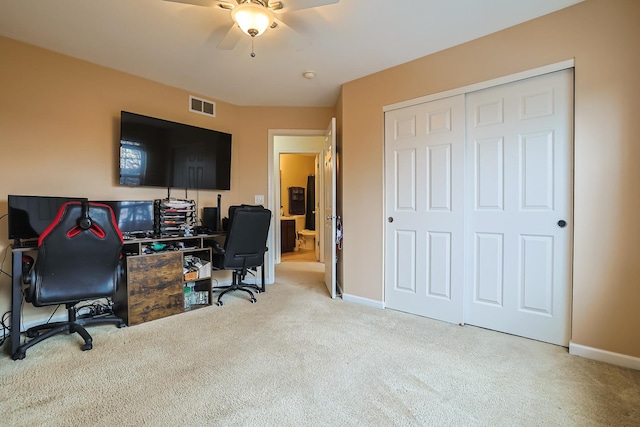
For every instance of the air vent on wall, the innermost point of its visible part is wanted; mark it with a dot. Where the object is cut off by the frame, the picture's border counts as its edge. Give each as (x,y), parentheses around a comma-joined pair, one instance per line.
(202,106)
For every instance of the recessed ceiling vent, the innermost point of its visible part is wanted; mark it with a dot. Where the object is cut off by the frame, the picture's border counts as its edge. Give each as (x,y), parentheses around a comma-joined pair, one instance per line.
(202,106)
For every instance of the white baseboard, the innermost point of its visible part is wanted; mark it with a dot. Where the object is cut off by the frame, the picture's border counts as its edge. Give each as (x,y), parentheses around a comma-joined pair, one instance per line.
(216,282)
(363,301)
(604,356)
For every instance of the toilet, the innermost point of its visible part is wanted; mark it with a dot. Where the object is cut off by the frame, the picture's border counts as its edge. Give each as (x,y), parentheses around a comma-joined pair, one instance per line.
(307,239)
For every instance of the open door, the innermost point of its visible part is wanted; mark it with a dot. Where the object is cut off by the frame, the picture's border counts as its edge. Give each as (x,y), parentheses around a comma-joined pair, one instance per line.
(329,168)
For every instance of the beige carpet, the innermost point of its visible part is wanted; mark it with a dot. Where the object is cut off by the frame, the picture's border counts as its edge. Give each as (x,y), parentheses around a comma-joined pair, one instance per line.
(298,358)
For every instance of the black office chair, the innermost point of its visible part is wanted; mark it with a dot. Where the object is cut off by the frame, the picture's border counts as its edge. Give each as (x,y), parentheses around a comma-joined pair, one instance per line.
(78,260)
(244,247)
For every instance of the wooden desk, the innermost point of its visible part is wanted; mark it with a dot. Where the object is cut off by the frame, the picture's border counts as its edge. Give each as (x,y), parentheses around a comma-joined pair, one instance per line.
(153,285)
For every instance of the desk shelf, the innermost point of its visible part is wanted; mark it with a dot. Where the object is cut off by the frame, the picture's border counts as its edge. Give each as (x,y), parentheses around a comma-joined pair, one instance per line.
(152,286)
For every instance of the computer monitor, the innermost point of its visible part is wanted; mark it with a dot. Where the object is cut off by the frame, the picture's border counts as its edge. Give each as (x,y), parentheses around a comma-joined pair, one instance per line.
(135,217)
(29,216)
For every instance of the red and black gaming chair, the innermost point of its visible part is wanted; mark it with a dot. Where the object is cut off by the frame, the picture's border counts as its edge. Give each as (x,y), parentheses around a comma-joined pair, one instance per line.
(78,257)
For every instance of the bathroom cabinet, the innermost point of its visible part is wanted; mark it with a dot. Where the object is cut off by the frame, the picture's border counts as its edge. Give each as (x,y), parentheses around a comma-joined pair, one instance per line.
(287,235)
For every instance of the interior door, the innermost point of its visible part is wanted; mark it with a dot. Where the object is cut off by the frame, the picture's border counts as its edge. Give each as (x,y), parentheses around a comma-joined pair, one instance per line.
(329,168)
(424,204)
(519,192)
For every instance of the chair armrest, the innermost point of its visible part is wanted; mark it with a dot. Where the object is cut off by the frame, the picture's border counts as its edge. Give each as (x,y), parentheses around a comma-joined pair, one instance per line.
(217,249)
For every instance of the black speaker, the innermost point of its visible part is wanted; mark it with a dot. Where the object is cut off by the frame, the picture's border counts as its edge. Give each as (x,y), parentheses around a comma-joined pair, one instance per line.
(210,218)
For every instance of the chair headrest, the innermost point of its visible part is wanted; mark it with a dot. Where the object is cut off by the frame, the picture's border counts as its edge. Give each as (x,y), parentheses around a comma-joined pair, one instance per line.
(85,222)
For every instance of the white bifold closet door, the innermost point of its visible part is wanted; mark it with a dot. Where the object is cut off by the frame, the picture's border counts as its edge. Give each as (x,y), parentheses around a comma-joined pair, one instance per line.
(424,166)
(518,238)
(478,202)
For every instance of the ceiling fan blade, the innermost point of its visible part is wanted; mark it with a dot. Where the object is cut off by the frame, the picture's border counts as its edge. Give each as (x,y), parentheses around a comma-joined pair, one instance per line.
(292,5)
(230,39)
(207,3)
(292,37)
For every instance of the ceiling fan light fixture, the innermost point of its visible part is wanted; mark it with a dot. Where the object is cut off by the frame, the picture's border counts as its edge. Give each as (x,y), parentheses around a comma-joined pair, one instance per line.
(252,18)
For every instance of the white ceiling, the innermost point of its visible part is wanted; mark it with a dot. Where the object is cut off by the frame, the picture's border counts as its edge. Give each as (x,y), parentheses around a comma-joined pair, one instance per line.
(176,44)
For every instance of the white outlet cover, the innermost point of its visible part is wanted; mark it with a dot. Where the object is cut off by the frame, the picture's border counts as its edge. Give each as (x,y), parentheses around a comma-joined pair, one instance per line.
(259,199)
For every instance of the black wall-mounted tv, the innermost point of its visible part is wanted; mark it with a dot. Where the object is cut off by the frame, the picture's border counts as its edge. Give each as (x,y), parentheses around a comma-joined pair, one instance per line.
(160,153)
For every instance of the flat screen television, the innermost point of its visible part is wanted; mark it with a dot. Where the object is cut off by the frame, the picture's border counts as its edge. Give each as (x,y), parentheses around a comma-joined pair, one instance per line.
(134,217)
(160,153)
(29,216)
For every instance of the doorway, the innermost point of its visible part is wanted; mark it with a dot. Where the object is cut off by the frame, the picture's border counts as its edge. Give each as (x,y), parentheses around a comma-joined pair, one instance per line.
(323,144)
(290,141)
(299,207)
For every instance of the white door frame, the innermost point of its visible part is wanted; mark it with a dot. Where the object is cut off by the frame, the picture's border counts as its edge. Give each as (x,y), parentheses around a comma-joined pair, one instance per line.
(275,148)
(558,66)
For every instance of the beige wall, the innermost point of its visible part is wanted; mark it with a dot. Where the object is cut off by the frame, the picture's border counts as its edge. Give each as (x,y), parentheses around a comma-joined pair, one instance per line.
(59,132)
(602,36)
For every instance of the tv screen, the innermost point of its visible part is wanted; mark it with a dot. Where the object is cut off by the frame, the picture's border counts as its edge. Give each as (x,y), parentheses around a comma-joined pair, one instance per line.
(29,216)
(160,153)
(134,217)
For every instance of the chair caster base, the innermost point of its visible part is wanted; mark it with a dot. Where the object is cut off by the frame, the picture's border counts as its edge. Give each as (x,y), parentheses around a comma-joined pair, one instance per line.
(87,346)
(253,300)
(219,303)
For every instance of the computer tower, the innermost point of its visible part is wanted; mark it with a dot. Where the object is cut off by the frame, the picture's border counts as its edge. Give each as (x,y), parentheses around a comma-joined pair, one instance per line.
(210,218)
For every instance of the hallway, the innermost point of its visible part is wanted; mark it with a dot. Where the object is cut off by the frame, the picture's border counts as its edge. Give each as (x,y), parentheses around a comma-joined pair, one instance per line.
(299,256)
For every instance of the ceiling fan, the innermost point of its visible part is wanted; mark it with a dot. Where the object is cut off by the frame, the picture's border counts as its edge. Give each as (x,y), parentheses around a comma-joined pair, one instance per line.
(254,17)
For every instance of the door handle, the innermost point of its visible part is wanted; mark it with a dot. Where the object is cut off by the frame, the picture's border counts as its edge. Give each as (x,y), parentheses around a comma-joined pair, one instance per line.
(390,219)
(562,223)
